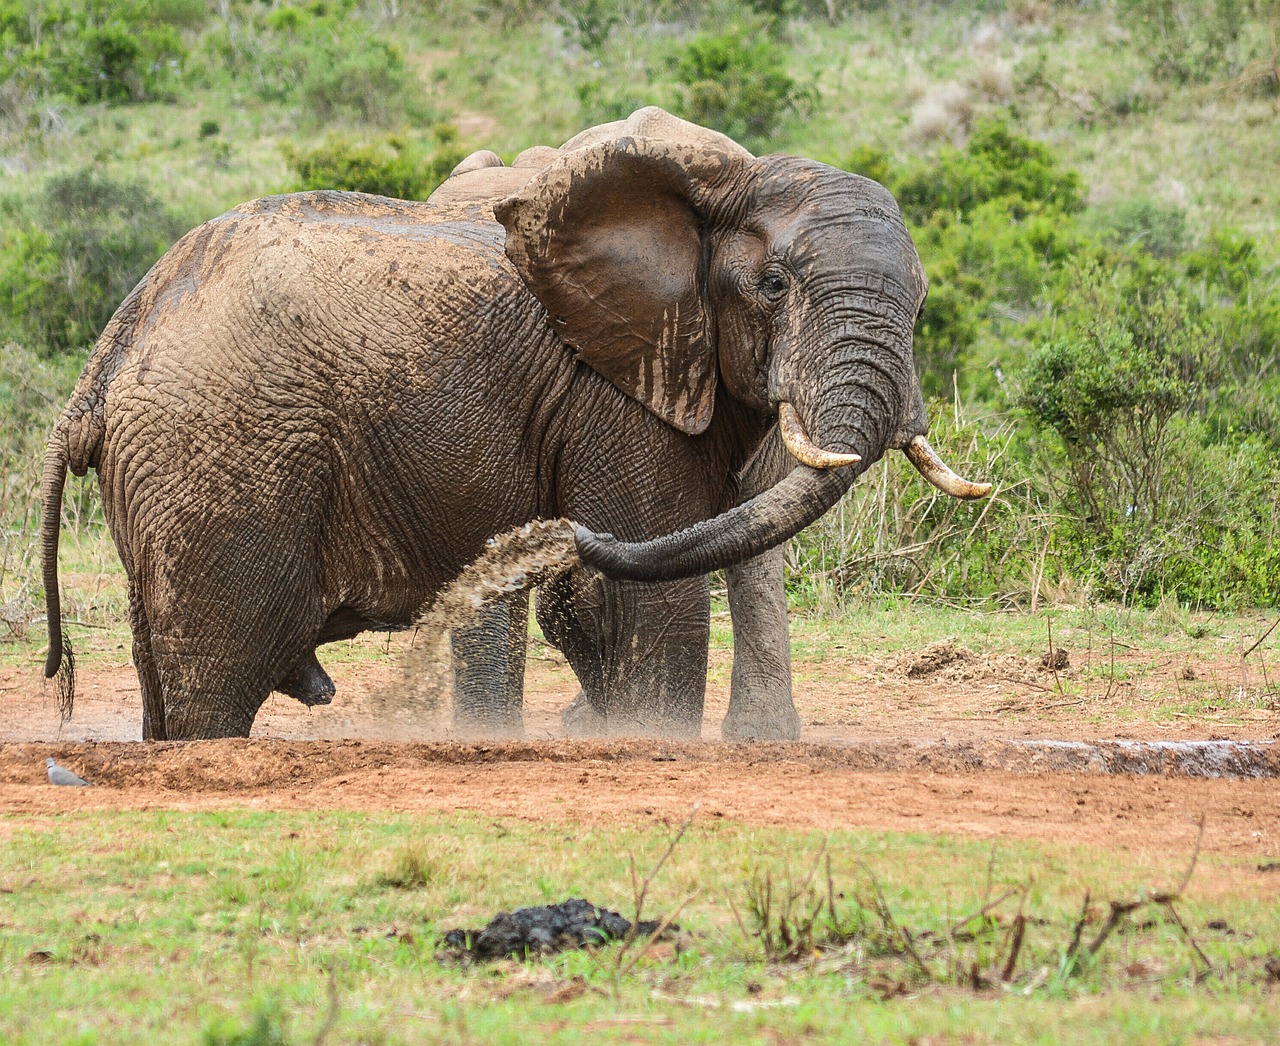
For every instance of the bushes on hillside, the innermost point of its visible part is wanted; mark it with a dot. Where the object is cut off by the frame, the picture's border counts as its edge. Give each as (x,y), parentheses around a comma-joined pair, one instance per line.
(95,50)
(1147,372)
(329,64)
(392,166)
(68,261)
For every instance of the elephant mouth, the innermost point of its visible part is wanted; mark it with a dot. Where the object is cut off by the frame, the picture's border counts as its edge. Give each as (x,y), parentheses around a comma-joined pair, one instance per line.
(918,452)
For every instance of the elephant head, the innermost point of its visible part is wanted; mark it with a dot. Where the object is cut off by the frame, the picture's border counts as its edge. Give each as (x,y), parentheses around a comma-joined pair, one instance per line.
(682,268)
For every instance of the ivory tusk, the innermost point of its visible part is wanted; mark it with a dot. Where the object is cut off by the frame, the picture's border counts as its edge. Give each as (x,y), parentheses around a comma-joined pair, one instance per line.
(802,448)
(935,470)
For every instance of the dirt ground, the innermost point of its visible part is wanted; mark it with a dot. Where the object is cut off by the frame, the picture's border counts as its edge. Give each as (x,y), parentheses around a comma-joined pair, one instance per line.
(940,744)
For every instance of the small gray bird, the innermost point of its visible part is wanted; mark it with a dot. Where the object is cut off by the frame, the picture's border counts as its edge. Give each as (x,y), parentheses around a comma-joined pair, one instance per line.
(62,776)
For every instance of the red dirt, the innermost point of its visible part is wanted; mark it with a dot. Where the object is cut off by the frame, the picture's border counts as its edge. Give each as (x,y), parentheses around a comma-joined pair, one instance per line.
(872,713)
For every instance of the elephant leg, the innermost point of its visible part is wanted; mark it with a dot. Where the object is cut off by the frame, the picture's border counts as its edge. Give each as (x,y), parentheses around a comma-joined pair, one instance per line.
(488,670)
(309,682)
(556,617)
(639,651)
(153,724)
(760,704)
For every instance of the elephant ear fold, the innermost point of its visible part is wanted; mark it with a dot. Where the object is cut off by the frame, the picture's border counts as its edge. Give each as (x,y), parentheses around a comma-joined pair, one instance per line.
(610,239)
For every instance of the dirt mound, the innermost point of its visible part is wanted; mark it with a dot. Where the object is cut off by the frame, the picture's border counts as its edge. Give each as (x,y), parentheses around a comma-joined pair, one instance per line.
(945,662)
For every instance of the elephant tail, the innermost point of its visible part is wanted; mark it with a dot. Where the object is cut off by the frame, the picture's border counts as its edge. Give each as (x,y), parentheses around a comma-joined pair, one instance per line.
(61,661)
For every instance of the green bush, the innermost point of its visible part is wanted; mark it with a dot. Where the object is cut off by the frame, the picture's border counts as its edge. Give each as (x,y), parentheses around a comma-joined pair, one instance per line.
(331,65)
(389,167)
(68,259)
(737,83)
(93,50)
(1191,41)
(1156,228)
(995,164)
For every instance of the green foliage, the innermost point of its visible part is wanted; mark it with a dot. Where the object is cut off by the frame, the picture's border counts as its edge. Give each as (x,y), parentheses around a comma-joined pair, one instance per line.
(737,83)
(392,166)
(995,164)
(1192,41)
(95,50)
(318,57)
(67,261)
(266,1028)
(590,21)
(1156,228)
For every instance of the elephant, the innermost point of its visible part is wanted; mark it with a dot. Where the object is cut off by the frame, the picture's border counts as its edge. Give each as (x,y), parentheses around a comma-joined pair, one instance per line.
(314,410)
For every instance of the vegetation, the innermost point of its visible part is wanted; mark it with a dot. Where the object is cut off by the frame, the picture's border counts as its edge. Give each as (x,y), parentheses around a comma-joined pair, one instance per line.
(258,927)
(1088,187)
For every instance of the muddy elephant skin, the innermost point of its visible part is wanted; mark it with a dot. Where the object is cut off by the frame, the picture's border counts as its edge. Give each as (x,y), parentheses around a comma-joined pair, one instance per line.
(315,409)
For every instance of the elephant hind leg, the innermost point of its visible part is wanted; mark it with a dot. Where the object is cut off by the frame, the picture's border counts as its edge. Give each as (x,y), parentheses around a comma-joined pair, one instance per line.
(309,682)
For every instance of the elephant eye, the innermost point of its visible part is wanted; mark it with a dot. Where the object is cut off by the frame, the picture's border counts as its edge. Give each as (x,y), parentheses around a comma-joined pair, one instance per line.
(773,285)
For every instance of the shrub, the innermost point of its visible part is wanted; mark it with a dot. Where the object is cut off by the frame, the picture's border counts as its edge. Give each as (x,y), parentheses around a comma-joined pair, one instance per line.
(389,167)
(68,260)
(1190,41)
(208,128)
(996,164)
(1158,229)
(331,65)
(92,50)
(738,84)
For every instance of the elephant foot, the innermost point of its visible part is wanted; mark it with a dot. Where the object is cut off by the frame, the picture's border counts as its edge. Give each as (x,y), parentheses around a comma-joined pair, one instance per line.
(309,683)
(483,728)
(580,719)
(760,724)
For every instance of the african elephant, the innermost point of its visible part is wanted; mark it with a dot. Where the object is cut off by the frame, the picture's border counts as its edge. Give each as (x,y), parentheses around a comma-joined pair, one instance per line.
(316,408)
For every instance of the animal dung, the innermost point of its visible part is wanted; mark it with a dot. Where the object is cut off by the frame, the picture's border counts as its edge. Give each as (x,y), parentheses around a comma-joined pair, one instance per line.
(543,930)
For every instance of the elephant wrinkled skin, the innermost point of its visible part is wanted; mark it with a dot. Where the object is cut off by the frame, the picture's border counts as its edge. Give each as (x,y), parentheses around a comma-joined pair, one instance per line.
(315,409)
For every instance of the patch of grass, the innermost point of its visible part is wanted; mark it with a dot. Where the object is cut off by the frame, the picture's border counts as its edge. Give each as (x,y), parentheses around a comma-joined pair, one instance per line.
(255,924)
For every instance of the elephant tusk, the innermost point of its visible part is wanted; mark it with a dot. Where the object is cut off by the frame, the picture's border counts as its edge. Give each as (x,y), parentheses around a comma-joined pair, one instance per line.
(935,470)
(803,449)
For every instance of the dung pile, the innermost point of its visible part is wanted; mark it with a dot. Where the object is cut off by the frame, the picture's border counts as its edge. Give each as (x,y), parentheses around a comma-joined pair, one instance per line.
(543,930)
(518,559)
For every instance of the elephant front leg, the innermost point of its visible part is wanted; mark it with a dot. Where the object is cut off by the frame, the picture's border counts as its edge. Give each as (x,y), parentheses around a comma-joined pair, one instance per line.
(638,650)
(488,670)
(760,703)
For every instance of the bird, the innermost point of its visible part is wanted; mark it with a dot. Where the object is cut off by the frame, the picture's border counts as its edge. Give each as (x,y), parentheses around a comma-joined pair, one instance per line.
(62,776)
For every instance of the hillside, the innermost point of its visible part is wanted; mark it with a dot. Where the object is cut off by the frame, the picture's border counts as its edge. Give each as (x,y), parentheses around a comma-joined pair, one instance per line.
(1092,187)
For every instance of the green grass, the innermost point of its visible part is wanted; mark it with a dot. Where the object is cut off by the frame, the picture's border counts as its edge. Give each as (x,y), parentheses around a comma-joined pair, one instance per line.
(155,926)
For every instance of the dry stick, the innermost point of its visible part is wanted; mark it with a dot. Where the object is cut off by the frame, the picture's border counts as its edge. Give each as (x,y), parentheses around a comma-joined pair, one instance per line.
(331,1018)
(1119,909)
(1174,895)
(1016,934)
(891,924)
(663,926)
(984,910)
(1077,933)
(1053,661)
(640,892)
(1196,975)
(1262,637)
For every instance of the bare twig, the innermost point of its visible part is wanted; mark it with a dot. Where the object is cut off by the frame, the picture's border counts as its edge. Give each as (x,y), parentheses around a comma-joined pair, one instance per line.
(1258,642)
(1074,946)
(331,1017)
(640,891)
(1053,661)
(984,910)
(663,926)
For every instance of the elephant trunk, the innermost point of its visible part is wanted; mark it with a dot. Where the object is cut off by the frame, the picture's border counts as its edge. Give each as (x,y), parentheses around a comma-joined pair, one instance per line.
(730,538)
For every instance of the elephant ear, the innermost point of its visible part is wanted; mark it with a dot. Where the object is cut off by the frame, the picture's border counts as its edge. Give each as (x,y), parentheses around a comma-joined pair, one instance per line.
(610,238)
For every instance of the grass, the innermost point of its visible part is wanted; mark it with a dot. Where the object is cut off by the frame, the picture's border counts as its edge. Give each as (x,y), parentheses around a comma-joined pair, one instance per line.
(159,926)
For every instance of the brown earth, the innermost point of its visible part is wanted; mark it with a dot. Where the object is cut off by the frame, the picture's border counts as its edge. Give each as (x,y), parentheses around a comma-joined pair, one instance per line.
(931,743)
